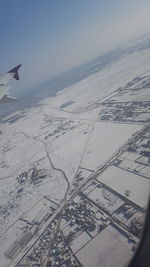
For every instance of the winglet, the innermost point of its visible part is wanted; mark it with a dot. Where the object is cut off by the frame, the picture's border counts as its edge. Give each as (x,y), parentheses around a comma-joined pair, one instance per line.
(15,72)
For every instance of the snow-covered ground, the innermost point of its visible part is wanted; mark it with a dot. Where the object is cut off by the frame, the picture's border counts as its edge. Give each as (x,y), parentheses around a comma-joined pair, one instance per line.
(142,95)
(105,139)
(54,141)
(97,86)
(105,199)
(109,248)
(18,228)
(123,181)
(80,241)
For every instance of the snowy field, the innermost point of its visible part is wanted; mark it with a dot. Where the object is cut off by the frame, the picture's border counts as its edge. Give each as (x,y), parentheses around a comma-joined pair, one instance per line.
(137,96)
(17,199)
(107,249)
(123,181)
(105,139)
(97,86)
(80,241)
(7,240)
(105,199)
(34,215)
(56,139)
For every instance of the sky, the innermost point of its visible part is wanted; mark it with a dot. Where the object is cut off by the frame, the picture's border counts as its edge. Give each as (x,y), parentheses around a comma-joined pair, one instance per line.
(50,36)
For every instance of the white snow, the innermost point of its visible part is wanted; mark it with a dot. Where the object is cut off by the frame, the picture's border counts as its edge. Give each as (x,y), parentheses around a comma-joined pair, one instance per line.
(105,199)
(80,241)
(106,138)
(97,86)
(121,181)
(108,249)
(142,95)
(48,135)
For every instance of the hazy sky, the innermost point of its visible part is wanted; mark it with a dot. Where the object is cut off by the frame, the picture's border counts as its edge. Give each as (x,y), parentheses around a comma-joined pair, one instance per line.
(50,36)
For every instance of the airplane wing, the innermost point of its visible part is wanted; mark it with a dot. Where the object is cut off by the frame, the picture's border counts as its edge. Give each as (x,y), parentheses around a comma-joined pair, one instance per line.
(7,99)
(4,89)
(4,79)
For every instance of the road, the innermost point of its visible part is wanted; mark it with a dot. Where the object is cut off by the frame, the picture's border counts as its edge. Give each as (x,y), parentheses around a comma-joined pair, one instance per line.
(67,199)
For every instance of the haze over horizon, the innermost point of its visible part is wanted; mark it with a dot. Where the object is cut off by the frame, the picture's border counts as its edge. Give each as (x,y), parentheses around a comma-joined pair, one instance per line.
(50,37)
